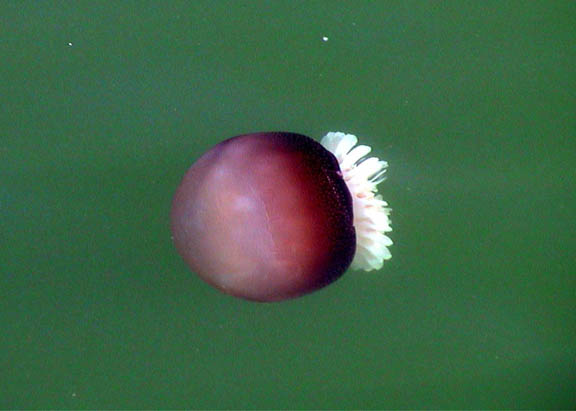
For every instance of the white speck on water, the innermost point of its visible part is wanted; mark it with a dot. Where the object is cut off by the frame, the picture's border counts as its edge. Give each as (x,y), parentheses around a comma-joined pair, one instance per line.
(324,38)
(70,44)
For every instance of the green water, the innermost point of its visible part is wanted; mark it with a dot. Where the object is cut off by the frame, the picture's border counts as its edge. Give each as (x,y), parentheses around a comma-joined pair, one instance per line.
(104,105)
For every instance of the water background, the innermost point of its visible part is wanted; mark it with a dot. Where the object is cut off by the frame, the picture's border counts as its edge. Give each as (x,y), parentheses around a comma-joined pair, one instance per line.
(103,107)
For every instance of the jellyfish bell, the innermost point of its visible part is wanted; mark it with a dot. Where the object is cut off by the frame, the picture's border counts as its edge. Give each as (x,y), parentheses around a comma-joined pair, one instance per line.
(275,215)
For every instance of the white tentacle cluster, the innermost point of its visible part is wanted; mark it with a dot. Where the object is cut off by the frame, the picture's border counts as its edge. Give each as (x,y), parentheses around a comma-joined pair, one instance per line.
(371,214)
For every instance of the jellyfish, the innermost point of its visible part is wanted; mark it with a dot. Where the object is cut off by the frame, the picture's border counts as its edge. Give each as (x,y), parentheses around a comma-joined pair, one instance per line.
(272,216)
